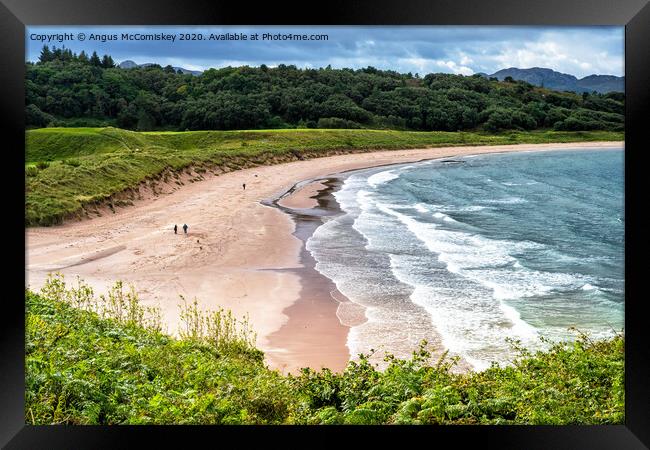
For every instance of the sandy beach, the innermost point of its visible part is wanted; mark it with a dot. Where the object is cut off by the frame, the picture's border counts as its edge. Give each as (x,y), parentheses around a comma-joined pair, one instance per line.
(239,253)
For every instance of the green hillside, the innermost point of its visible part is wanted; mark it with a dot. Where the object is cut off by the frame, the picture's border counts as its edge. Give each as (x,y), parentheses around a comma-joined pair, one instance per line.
(68,169)
(65,89)
(105,361)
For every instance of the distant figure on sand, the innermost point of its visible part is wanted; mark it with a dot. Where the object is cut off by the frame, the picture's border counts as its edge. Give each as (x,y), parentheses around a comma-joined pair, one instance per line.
(175,229)
(244,185)
(185,227)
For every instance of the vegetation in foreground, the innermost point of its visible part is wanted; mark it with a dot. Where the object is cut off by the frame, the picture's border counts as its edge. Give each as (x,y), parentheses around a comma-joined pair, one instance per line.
(106,361)
(71,170)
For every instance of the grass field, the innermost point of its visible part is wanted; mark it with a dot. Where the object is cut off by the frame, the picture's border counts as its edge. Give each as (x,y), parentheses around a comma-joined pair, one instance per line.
(104,361)
(69,168)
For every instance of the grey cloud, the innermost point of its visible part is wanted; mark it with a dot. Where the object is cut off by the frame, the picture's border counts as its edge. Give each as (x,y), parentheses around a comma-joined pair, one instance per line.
(576,50)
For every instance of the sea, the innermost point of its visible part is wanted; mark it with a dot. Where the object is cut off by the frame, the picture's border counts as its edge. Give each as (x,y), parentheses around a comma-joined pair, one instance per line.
(479,252)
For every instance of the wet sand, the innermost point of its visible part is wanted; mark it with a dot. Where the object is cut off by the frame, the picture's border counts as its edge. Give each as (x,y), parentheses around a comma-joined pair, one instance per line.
(313,336)
(240,253)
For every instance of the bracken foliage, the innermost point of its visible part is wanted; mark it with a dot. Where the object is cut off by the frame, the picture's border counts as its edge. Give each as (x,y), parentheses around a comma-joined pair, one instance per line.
(104,360)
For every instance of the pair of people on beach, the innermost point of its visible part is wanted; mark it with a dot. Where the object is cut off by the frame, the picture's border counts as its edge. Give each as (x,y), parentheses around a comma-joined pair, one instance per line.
(185,227)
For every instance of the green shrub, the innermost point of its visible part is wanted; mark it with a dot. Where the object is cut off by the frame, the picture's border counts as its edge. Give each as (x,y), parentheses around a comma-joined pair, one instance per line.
(104,360)
(34,117)
(31,171)
(336,122)
(72,162)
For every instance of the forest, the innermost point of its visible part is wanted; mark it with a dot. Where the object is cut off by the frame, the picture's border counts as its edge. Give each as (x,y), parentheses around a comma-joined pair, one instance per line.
(65,89)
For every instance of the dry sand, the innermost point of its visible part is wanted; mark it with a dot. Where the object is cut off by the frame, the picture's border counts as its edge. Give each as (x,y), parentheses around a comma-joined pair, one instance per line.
(233,255)
(304,196)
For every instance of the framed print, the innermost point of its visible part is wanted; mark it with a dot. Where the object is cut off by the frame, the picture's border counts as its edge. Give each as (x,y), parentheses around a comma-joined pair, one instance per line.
(394,219)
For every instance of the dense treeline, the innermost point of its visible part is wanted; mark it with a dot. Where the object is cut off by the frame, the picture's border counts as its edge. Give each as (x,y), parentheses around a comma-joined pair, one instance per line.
(66,89)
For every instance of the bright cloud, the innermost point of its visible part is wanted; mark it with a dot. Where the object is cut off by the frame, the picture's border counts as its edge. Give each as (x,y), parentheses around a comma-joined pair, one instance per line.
(466,50)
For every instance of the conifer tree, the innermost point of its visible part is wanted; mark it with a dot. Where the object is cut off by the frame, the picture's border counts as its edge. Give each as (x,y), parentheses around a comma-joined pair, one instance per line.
(46,54)
(94,60)
(107,62)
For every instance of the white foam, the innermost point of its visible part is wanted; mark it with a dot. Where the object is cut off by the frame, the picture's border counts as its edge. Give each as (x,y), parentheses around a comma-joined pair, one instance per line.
(487,261)
(444,217)
(381,178)
(469,320)
(521,327)
(511,183)
(507,200)
(463,283)
(477,364)
(467,208)
(463,331)
(593,289)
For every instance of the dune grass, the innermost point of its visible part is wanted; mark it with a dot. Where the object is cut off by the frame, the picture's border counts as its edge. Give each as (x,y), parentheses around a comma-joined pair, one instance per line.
(69,168)
(105,360)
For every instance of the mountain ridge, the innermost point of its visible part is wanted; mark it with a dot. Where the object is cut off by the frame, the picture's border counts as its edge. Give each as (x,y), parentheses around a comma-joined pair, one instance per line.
(551,79)
(538,76)
(129,64)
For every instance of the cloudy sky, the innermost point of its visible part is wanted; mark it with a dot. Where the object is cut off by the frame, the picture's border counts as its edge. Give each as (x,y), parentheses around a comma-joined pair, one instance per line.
(579,51)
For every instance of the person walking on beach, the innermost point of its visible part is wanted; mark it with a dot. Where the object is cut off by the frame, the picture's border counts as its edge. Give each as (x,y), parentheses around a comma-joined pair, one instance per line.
(244,186)
(185,227)
(175,229)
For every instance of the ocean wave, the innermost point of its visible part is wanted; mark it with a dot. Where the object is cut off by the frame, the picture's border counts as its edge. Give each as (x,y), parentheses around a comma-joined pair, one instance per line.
(365,278)
(511,183)
(471,208)
(382,177)
(474,290)
(470,322)
(487,261)
(507,200)
(444,217)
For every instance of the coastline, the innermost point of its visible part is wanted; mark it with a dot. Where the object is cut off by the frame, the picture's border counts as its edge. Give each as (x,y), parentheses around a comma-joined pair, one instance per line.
(313,336)
(240,253)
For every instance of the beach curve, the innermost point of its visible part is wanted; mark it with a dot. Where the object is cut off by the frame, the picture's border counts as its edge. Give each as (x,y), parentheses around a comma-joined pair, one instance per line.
(239,253)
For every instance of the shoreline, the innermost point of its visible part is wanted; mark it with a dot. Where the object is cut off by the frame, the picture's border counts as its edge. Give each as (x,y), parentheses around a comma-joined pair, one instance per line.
(240,253)
(313,315)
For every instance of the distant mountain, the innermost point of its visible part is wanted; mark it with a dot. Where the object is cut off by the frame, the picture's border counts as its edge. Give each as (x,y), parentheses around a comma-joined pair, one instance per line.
(128,64)
(558,81)
(602,83)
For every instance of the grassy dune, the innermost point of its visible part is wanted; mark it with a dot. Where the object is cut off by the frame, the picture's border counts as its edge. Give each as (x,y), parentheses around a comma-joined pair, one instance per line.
(70,168)
(105,361)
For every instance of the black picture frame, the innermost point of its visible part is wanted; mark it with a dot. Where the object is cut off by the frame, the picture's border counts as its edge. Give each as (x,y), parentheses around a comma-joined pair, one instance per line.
(16,14)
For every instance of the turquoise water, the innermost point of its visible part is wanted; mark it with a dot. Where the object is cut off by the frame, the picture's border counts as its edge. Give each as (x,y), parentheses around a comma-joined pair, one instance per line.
(479,248)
